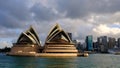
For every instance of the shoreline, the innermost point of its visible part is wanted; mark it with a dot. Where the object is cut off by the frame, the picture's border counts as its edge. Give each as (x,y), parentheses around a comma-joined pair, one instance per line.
(49,54)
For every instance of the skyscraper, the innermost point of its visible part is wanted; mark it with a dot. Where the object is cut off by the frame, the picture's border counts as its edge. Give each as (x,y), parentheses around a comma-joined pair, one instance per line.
(95,46)
(89,43)
(111,42)
(118,42)
(102,42)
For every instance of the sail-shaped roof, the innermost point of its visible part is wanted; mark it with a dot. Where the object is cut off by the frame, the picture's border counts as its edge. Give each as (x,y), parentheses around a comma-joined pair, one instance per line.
(29,36)
(34,33)
(58,35)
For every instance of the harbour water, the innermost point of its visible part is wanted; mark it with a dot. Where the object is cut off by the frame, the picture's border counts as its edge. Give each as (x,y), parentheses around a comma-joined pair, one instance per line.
(93,61)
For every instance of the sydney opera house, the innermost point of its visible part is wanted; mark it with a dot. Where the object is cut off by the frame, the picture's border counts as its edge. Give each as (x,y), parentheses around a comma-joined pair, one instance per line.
(57,43)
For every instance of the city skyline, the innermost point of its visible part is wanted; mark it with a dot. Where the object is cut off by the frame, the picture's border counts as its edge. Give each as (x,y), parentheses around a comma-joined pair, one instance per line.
(80,17)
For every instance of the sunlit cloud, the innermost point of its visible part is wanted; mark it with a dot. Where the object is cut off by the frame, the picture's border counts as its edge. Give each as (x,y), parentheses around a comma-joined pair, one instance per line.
(103,29)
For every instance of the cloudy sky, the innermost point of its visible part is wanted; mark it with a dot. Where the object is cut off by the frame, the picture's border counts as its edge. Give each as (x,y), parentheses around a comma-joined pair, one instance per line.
(81,17)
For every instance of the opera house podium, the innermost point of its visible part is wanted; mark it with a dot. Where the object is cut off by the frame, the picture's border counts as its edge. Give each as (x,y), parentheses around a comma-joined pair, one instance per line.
(58,43)
(27,44)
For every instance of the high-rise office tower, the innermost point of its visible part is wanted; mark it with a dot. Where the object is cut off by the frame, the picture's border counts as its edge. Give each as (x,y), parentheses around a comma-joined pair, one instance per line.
(89,43)
(118,41)
(111,42)
(102,42)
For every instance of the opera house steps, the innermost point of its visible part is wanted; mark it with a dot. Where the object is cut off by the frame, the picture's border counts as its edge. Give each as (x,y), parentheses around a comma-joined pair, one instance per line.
(57,55)
(60,51)
(60,45)
(61,48)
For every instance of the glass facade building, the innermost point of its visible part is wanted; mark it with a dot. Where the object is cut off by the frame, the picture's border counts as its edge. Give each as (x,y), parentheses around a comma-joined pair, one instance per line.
(89,43)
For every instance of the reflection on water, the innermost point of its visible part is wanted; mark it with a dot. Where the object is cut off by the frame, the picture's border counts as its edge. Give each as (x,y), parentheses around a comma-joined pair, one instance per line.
(93,61)
(60,62)
(24,62)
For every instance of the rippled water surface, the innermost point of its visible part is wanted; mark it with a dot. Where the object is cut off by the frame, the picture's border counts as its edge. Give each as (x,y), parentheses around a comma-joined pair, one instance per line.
(93,61)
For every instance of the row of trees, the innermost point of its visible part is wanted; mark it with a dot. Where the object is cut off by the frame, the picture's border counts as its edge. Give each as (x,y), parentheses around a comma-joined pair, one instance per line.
(4,50)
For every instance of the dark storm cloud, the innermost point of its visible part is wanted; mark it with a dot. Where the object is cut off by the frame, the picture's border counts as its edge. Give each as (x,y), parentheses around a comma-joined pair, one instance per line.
(43,13)
(17,8)
(17,13)
(13,12)
(73,8)
(8,21)
(81,8)
(104,6)
(77,16)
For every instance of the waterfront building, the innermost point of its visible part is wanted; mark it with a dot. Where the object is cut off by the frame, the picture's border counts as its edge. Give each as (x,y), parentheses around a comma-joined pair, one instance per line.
(89,43)
(78,44)
(111,42)
(102,42)
(118,42)
(28,42)
(95,46)
(58,42)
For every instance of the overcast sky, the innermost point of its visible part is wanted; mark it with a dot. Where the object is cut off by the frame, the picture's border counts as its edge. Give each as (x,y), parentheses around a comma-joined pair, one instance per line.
(81,17)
